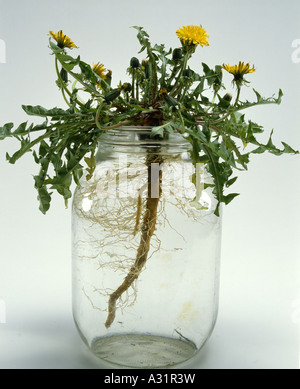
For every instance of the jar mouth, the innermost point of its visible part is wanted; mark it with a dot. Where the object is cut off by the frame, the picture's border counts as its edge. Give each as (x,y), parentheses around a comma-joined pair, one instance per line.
(139,137)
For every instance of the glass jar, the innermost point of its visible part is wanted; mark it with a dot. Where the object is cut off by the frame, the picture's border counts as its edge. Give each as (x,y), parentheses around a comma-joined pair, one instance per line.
(146,251)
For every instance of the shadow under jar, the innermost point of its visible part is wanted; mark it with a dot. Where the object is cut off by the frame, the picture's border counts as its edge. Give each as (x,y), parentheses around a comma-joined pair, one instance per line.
(146,251)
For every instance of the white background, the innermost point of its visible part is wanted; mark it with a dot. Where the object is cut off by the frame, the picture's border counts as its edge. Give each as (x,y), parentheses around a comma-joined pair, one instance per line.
(258,322)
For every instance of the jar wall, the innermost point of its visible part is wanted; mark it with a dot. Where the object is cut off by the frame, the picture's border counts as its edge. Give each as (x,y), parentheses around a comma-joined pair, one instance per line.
(166,309)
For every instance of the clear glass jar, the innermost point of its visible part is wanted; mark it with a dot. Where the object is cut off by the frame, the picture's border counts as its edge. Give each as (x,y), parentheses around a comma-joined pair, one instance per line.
(146,251)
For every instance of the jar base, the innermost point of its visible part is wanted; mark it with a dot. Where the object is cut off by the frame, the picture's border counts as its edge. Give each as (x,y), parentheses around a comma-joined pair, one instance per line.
(143,351)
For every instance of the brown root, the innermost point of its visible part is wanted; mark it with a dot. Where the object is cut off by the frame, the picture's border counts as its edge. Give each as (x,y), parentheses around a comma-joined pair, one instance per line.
(121,234)
(138,215)
(147,231)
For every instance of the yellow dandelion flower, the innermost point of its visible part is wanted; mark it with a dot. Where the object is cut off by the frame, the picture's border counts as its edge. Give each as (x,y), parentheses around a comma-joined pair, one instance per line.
(62,40)
(163,92)
(193,35)
(100,71)
(238,71)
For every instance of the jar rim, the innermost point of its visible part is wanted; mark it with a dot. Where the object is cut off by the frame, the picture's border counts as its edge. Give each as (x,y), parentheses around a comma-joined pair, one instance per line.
(134,128)
(137,139)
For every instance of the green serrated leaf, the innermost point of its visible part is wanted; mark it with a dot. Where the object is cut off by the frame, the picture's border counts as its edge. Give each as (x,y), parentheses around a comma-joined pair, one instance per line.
(77,174)
(44,198)
(54,47)
(41,111)
(288,149)
(72,161)
(25,147)
(22,128)
(5,131)
(231,182)
(228,198)
(159,130)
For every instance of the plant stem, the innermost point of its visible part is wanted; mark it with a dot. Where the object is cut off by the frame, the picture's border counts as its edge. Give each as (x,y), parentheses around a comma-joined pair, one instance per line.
(133,81)
(64,87)
(65,98)
(62,83)
(77,78)
(137,91)
(237,95)
(235,105)
(153,75)
(184,65)
(147,231)
(173,74)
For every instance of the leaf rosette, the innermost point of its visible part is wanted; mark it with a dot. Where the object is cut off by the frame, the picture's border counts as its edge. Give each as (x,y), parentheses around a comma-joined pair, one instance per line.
(161,91)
